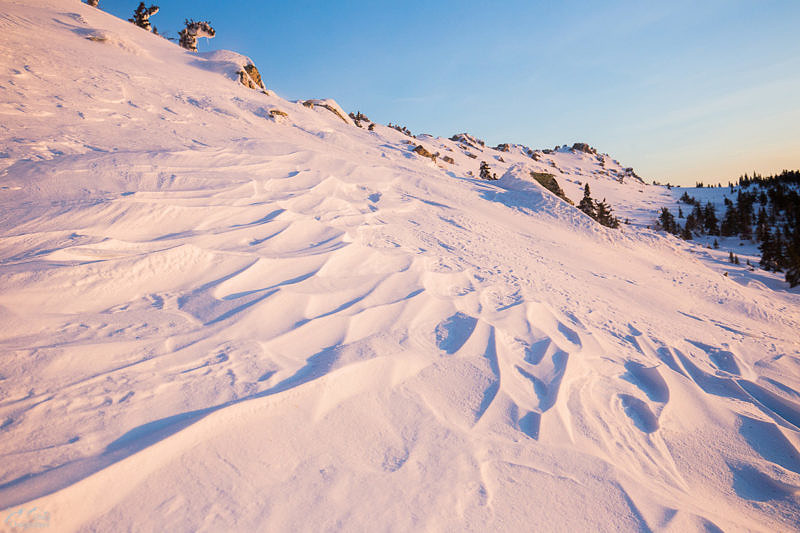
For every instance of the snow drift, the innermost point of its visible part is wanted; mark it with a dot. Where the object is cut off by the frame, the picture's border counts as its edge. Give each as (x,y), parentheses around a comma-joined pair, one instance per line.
(213,320)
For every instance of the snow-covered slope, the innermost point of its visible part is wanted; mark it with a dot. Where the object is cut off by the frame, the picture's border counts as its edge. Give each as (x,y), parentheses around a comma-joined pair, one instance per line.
(213,317)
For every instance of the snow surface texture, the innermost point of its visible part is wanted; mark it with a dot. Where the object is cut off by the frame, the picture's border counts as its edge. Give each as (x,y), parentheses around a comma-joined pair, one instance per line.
(216,318)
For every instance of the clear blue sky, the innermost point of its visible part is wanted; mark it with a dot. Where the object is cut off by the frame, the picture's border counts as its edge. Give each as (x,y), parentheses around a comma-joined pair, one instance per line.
(681,90)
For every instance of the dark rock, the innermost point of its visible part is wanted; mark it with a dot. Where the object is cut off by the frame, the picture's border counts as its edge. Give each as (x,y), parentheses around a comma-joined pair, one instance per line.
(629,173)
(468,139)
(358,118)
(548,181)
(583,147)
(424,153)
(402,129)
(251,78)
(325,105)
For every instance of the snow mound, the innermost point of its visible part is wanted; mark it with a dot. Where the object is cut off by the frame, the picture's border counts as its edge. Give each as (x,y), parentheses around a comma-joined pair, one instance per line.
(111,38)
(224,62)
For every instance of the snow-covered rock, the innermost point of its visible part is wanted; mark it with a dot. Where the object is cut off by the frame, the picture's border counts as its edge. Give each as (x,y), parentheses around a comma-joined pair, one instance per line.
(330,105)
(232,65)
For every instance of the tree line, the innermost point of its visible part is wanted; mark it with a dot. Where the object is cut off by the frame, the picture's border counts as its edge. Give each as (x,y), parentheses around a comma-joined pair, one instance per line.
(766,210)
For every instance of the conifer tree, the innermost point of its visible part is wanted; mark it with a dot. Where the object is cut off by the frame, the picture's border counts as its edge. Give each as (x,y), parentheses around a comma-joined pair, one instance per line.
(730,225)
(710,222)
(746,231)
(691,222)
(194,30)
(667,221)
(769,253)
(141,17)
(779,248)
(587,204)
(486,172)
(605,215)
(601,211)
(761,225)
(793,263)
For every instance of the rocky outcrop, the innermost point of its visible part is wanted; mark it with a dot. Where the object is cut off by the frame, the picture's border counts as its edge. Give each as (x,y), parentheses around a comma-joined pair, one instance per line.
(278,113)
(467,139)
(504,147)
(448,159)
(420,150)
(359,117)
(630,173)
(331,106)
(548,181)
(401,129)
(250,77)
(583,147)
(233,66)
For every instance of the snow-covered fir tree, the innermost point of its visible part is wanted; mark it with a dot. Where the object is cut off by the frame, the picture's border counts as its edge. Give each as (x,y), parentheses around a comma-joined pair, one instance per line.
(141,17)
(193,31)
(486,172)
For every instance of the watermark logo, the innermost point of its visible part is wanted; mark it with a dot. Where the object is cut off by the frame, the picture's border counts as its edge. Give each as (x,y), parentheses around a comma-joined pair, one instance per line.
(33,518)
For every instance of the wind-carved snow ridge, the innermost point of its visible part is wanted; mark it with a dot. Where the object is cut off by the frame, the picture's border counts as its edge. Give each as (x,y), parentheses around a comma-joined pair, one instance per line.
(306,324)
